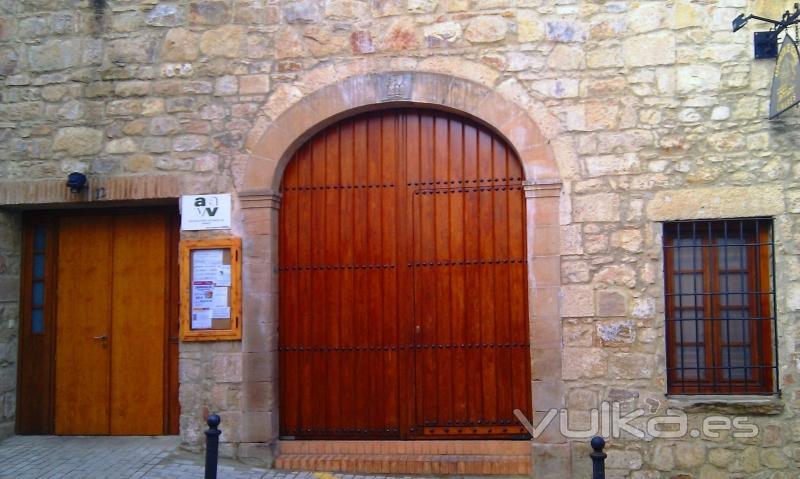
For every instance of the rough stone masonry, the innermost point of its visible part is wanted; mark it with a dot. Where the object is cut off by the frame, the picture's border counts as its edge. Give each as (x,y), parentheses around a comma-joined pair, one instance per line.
(653,110)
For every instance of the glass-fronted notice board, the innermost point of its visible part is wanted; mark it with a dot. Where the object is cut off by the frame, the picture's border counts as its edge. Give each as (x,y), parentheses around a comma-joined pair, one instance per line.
(211,272)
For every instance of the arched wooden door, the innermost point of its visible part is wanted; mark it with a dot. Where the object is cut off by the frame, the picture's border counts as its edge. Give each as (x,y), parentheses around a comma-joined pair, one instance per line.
(403,291)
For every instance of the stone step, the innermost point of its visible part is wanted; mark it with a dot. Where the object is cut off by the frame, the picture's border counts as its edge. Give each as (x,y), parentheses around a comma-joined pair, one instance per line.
(506,458)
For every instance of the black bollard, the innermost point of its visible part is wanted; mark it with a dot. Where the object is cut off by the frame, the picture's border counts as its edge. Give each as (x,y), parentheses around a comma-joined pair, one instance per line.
(212,446)
(598,458)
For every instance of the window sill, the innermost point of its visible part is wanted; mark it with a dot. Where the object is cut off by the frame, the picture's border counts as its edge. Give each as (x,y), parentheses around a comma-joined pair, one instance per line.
(733,404)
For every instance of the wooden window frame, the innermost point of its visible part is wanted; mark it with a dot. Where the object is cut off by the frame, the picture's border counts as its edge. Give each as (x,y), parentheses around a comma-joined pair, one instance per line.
(234,332)
(757,233)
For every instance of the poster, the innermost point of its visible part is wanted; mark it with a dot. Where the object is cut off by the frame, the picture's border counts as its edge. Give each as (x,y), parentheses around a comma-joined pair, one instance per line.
(223,275)
(211,282)
(201,318)
(210,257)
(220,297)
(202,294)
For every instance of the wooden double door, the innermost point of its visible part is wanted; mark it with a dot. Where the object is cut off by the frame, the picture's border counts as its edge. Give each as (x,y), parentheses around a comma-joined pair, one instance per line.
(403,290)
(98,351)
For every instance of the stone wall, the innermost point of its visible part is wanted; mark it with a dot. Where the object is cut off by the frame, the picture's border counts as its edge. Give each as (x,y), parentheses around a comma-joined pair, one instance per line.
(653,110)
(10,241)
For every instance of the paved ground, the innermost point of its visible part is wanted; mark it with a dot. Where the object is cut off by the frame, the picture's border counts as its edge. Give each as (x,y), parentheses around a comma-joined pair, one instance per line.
(28,457)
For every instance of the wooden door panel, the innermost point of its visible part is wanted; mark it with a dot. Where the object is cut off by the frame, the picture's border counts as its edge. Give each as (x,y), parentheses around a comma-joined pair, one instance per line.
(82,355)
(137,329)
(37,335)
(469,282)
(402,281)
(338,281)
(473,346)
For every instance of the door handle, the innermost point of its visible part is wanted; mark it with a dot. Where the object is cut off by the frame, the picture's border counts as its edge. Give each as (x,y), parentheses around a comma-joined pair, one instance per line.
(101,338)
(418,329)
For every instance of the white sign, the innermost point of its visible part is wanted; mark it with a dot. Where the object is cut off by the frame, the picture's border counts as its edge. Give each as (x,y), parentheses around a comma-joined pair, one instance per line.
(205,212)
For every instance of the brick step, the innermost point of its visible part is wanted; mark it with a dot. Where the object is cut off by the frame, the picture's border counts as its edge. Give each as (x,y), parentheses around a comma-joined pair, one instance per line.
(506,458)
(487,447)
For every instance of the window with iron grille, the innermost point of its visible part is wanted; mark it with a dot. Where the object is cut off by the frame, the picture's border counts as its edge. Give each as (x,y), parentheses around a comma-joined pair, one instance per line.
(720,307)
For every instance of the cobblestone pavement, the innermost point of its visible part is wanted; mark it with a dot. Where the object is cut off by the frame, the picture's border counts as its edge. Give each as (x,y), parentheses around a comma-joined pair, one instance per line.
(98,457)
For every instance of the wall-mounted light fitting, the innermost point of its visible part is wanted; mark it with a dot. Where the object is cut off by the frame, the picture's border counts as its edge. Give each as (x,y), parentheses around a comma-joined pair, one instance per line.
(76,182)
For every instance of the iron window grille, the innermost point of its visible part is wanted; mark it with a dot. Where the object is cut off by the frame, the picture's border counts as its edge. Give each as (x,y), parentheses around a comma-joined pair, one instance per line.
(720,307)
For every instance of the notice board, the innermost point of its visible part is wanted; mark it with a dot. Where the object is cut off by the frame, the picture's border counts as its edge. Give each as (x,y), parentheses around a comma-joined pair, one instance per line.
(210,276)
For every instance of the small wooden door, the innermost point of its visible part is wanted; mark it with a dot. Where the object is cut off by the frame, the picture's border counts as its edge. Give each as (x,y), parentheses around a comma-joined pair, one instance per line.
(113,309)
(403,310)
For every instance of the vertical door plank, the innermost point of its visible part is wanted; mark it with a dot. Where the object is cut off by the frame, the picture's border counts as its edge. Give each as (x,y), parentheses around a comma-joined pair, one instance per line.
(319,318)
(82,362)
(350,375)
(137,324)
(333,276)
(388,258)
(305,320)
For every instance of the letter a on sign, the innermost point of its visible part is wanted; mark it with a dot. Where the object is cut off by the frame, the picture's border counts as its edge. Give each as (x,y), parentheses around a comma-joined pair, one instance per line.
(205,212)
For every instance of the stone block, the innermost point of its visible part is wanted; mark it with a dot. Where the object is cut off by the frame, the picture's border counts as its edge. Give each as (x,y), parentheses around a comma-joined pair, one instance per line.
(78,140)
(546,333)
(530,27)
(566,57)
(548,395)
(422,6)
(544,302)
(258,453)
(166,15)
(716,202)
(631,365)
(54,55)
(596,207)
(254,84)
(226,367)
(649,50)
(226,85)
(624,460)
(610,303)
(545,364)
(133,50)
(9,288)
(486,29)
(583,363)
(257,426)
(442,34)
(565,31)
(121,145)
(138,163)
(551,460)
(629,240)
(616,333)
(698,78)
(222,42)
(180,45)
(301,12)
(577,301)
(259,367)
(259,396)
(209,13)
(189,142)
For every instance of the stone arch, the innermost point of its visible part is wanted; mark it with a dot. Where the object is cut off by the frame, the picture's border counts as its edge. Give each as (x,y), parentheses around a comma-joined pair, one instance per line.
(293,114)
(273,141)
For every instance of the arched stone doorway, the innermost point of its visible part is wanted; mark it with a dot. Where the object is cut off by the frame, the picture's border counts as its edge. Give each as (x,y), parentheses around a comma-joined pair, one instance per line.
(289,122)
(403,298)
